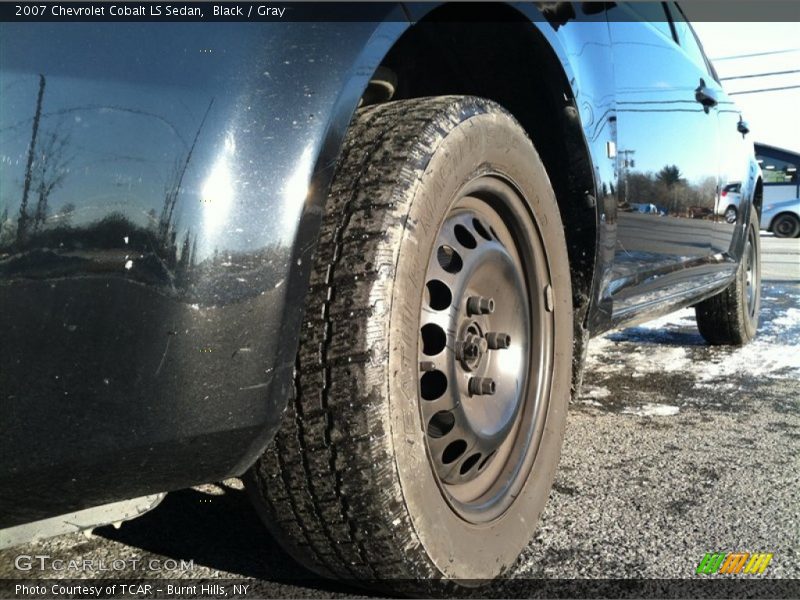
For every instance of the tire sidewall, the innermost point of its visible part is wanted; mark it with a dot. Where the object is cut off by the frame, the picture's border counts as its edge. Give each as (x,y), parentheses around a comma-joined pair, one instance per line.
(480,143)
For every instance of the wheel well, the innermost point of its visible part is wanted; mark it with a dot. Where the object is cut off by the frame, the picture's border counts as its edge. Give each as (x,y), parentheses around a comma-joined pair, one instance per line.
(505,58)
(758,197)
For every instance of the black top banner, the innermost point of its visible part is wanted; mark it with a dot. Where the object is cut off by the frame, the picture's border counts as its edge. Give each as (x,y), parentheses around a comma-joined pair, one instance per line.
(28,11)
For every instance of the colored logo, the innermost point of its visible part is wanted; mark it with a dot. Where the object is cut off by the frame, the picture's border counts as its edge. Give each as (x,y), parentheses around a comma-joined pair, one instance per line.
(734,563)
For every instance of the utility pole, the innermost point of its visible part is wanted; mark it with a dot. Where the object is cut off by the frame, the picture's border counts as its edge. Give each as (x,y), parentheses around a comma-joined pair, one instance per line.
(626,163)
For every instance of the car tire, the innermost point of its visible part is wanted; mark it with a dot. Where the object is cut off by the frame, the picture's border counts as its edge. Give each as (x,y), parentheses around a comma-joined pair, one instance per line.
(439,208)
(786,225)
(731,214)
(731,317)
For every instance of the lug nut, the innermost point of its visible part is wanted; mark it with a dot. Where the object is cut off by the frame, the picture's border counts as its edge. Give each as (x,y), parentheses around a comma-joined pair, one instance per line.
(476,305)
(497,340)
(427,365)
(481,386)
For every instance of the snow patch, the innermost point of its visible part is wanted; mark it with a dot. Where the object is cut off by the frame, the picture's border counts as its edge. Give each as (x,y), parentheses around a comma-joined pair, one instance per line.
(671,345)
(653,410)
(666,359)
(790,318)
(594,403)
(760,358)
(639,360)
(601,392)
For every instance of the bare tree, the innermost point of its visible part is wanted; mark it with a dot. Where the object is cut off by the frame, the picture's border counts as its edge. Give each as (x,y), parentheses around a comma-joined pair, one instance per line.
(50,169)
(174,183)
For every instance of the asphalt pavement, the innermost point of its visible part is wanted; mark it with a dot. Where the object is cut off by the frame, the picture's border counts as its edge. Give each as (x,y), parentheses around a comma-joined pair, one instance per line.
(673,449)
(780,258)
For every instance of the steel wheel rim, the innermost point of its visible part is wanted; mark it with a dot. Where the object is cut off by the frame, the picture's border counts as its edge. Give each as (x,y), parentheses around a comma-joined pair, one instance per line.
(485,348)
(730,215)
(751,274)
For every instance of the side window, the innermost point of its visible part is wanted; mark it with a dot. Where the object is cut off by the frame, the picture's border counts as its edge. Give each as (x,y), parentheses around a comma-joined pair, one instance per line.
(776,170)
(688,39)
(654,13)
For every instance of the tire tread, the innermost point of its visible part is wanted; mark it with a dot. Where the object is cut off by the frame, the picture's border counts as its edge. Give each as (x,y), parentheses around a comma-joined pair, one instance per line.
(329,485)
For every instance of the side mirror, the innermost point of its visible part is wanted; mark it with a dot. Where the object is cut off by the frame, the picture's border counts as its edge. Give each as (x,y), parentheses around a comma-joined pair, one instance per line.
(705,96)
(742,127)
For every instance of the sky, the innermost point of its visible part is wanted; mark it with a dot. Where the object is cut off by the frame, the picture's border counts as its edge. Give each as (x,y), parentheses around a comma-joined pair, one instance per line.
(774,117)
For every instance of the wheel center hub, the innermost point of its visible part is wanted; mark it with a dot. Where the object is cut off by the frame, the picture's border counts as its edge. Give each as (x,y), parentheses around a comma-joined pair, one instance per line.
(471,346)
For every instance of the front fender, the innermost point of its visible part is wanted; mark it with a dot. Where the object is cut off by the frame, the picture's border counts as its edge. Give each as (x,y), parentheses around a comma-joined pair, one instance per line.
(155,243)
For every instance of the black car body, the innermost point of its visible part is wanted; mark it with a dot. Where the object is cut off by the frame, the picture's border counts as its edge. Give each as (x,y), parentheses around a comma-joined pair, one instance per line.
(156,240)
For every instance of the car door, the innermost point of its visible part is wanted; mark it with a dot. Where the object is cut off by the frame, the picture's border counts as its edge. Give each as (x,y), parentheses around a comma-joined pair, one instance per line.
(667,146)
(735,148)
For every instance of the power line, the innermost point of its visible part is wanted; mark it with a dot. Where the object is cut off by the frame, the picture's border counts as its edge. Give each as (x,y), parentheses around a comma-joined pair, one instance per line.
(757,54)
(775,89)
(760,75)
